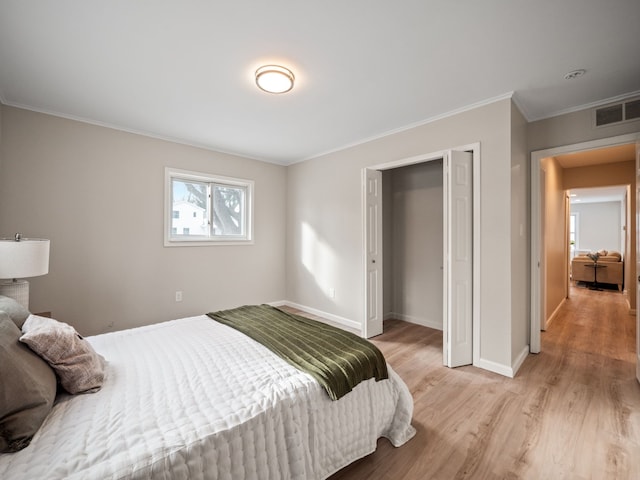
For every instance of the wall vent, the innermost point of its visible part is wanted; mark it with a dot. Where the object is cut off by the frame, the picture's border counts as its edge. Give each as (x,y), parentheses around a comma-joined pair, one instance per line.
(617,113)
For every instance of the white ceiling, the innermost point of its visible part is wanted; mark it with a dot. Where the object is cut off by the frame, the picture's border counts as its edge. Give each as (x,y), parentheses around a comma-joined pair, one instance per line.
(183,69)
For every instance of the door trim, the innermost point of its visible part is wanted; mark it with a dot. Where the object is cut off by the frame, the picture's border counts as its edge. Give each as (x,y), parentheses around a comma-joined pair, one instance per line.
(474,148)
(537,286)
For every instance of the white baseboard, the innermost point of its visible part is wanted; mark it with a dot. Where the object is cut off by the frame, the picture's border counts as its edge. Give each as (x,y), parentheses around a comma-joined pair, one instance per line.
(416,320)
(519,360)
(494,367)
(507,371)
(329,316)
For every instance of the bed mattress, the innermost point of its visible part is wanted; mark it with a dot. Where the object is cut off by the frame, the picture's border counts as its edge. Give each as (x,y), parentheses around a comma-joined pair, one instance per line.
(195,399)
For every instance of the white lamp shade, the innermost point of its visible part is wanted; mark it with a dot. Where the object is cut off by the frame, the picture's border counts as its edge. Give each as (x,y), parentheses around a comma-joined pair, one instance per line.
(27,258)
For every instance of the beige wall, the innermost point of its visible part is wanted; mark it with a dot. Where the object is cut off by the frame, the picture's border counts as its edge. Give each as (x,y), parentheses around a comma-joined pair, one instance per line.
(577,127)
(416,224)
(621,173)
(600,226)
(520,237)
(92,189)
(571,128)
(555,249)
(604,175)
(98,193)
(324,220)
(1,110)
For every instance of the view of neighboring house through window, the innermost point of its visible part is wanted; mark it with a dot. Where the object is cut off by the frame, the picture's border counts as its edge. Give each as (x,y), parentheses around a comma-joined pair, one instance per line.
(207,209)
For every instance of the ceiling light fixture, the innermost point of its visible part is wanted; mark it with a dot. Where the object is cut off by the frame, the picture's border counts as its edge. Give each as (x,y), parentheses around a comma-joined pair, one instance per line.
(274,79)
(575,74)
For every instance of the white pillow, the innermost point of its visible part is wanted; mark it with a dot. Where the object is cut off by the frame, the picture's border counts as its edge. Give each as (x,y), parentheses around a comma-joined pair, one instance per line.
(79,367)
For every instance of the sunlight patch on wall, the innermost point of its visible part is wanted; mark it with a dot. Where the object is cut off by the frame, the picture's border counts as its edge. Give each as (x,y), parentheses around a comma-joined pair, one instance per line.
(319,259)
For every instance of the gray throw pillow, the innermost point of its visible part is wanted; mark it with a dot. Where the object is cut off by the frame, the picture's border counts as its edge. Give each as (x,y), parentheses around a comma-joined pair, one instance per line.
(78,366)
(14,309)
(27,389)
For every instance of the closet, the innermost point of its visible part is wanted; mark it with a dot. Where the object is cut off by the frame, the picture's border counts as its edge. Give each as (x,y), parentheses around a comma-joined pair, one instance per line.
(413,243)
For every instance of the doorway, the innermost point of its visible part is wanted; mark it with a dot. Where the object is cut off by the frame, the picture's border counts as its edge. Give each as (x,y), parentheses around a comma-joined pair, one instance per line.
(413,225)
(541,181)
(459,257)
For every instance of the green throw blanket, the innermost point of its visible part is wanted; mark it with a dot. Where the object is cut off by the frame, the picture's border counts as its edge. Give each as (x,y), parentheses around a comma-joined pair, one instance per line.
(337,359)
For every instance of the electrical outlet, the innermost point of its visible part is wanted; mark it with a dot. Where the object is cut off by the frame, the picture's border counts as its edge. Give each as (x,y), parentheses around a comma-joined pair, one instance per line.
(178,296)
(332,293)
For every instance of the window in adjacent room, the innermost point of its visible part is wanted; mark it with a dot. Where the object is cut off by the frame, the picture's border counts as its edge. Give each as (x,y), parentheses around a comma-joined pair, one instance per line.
(573,234)
(206,209)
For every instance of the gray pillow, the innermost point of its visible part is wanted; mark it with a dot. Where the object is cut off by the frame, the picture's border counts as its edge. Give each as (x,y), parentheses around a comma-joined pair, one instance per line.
(27,389)
(80,368)
(14,309)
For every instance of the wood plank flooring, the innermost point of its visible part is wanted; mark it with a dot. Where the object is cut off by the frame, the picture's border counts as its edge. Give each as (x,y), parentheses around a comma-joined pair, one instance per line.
(572,412)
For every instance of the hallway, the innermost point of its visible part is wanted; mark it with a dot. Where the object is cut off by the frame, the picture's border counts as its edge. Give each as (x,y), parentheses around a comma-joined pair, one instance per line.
(571,412)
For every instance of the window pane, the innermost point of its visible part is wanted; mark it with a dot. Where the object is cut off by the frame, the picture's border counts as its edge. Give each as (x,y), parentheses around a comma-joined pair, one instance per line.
(203,209)
(189,207)
(228,210)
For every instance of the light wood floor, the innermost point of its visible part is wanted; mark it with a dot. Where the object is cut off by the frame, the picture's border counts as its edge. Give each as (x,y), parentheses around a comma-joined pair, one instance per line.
(571,412)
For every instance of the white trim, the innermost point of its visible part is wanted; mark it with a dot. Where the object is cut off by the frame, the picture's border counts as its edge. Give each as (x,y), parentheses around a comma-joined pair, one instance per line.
(507,371)
(520,107)
(202,241)
(314,311)
(168,138)
(586,106)
(144,133)
(536,157)
(522,356)
(477,285)
(475,149)
(450,113)
(425,322)
(494,367)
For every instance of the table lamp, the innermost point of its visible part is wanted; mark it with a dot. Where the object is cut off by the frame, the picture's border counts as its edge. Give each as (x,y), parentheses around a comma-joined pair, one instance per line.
(21,258)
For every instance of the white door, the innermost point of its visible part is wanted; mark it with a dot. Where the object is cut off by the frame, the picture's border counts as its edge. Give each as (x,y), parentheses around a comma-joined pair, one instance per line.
(373,252)
(458,249)
(638,259)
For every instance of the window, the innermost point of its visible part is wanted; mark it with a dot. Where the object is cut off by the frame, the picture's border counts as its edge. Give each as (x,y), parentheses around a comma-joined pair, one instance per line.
(207,209)
(573,234)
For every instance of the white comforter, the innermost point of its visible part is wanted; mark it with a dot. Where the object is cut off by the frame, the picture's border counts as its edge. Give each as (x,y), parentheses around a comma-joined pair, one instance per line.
(194,399)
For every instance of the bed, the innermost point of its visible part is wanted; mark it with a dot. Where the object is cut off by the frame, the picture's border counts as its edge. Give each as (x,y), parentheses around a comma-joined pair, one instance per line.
(194,399)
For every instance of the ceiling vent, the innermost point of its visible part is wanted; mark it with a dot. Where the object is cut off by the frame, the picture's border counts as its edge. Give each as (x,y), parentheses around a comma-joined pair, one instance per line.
(617,113)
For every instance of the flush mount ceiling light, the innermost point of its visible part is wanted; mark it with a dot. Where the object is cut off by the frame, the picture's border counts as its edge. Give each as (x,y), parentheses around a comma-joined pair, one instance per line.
(274,79)
(575,74)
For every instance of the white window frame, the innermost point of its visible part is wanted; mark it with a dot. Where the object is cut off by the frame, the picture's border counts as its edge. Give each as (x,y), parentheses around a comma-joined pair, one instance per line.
(174,240)
(576,246)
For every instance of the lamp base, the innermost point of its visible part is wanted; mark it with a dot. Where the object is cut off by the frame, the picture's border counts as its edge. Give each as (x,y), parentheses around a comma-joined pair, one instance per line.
(16,289)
